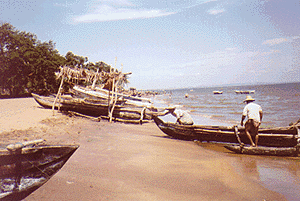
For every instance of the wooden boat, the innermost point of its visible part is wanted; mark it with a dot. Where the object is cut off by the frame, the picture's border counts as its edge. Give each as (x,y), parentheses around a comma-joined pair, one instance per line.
(102,95)
(25,169)
(245,91)
(80,92)
(217,92)
(260,150)
(94,109)
(273,137)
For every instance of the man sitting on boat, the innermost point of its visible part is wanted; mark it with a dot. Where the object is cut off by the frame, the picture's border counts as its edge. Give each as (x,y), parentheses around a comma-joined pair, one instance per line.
(254,114)
(182,116)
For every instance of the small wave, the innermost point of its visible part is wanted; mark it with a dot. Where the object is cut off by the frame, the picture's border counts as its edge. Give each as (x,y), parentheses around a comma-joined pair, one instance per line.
(235,113)
(218,106)
(216,116)
(195,106)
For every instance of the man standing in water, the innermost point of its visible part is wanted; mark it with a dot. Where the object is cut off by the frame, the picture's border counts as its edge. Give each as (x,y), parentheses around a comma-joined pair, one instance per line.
(254,115)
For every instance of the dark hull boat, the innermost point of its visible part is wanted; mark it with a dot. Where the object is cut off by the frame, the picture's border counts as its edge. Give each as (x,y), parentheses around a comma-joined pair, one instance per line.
(24,170)
(270,151)
(245,92)
(274,137)
(94,109)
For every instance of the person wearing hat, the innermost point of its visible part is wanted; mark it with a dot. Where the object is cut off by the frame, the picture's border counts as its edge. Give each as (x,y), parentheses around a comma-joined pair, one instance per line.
(254,115)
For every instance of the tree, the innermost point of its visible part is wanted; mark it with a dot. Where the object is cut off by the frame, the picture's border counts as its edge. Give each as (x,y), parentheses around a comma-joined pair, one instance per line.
(45,61)
(26,64)
(75,60)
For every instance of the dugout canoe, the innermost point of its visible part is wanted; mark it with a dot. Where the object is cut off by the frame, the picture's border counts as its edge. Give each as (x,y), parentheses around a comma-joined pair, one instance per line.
(260,150)
(273,137)
(25,169)
(103,95)
(80,92)
(95,109)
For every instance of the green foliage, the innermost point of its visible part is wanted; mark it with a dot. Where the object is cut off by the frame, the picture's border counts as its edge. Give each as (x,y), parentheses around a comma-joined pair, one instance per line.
(26,64)
(73,60)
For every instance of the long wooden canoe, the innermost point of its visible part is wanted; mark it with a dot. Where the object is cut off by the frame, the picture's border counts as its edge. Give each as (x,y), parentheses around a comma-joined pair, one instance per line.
(23,170)
(80,92)
(260,150)
(94,109)
(274,137)
(103,94)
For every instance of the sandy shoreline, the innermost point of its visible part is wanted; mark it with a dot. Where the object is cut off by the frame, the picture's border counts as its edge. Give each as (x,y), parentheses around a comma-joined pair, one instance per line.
(128,162)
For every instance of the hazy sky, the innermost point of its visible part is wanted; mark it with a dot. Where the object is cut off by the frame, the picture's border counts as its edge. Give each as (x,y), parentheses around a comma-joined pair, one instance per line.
(172,43)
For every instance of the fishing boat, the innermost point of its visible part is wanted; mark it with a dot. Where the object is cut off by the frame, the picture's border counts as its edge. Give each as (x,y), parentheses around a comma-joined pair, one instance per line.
(217,92)
(104,95)
(24,167)
(244,91)
(261,150)
(80,92)
(95,109)
(272,137)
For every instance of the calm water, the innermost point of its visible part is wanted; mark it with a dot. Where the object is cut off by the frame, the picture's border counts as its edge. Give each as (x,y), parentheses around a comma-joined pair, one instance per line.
(281,106)
(280,103)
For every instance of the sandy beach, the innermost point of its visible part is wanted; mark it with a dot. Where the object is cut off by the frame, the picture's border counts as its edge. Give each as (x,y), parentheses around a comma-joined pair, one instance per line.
(118,161)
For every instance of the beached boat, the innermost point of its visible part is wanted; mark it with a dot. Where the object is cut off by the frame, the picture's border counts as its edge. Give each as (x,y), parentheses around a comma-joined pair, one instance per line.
(273,137)
(103,96)
(25,169)
(94,109)
(80,92)
(260,150)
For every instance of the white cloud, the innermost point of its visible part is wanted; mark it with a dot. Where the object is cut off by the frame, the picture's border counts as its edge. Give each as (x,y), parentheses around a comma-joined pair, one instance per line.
(277,41)
(215,11)
(118,2)
(110,13)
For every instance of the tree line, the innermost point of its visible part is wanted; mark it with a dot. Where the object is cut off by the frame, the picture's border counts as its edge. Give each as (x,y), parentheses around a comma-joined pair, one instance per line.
(28,65)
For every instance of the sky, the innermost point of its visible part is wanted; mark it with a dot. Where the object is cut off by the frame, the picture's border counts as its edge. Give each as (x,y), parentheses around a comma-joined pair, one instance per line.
(169,44)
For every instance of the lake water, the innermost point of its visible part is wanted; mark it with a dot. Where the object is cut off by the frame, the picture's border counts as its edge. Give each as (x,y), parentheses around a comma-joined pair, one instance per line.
(280,103)
(281,106)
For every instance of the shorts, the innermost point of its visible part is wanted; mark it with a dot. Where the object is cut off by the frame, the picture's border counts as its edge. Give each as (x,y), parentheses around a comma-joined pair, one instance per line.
(252,126)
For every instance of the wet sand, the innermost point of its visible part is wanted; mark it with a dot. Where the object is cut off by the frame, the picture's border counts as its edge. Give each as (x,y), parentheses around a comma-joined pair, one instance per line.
(118,161)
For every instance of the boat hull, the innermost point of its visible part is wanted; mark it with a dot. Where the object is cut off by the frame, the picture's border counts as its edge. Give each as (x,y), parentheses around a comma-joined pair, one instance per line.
(269,151)
(93,109)
(281,137)
(25,170)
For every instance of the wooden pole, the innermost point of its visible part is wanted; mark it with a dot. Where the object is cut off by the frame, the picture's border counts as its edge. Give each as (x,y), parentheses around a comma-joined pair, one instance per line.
(95,79)
(58,93)
(236,132)
(113,94)
(114,103)
(142,115)
(294,124)
(108,103)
